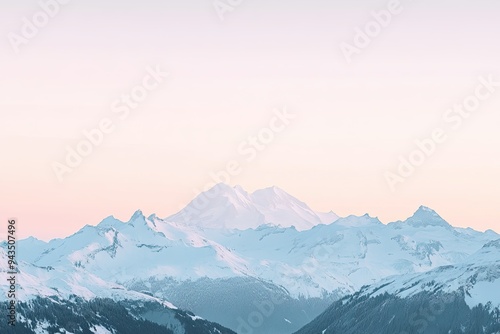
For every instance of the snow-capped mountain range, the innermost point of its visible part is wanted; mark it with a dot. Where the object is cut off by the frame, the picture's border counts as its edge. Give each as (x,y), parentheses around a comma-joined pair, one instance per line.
(227,234)
(459,298)
(478,276)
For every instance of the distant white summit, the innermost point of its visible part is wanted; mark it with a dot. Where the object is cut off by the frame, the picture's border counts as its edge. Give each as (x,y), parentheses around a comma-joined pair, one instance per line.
(423,217)
(229,207)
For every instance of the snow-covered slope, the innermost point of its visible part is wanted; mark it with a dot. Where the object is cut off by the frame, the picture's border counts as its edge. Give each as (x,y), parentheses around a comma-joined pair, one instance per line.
(42,293)
(478,277)
(459,298)
(116,251)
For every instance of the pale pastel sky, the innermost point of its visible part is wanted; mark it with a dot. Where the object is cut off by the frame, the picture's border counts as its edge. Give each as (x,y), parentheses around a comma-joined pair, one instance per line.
(352,120)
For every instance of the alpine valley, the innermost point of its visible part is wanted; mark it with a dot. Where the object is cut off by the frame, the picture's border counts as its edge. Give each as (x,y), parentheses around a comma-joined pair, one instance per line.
(263,263)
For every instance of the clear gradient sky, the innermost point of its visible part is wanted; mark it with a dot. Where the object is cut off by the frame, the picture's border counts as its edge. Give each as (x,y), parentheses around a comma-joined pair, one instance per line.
(352,121)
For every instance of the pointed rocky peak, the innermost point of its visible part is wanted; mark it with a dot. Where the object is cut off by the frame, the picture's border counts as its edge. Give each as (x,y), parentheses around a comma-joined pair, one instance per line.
(137,215)
(425,216)
(137,219)
(426,211)
(112,222)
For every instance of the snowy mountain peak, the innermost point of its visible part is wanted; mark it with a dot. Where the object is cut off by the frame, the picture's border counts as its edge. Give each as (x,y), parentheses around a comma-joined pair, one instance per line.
(225,187)
(220,207)
(228,207)
(137,215)
(273,190)
(425,216)
(224,190)
(424,210)
(110,222)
